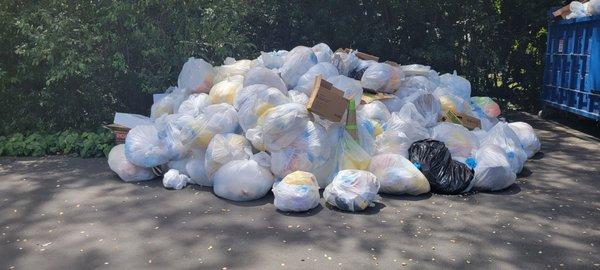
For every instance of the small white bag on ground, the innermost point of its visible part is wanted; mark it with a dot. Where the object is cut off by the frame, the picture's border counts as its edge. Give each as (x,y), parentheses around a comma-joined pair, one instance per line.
(243,180)
(175,180)
(144,148)
(351,87)
(323,52)
(253,101)
(126,170)
(262,75)
(192,166)
(529,141)
(492,171)
(216,119)
(278,127)
(232,68)
(226,90)
(352,190)
(382,77)
(224,148)
(194,104)
(459,140)
(297,192)
(196,75)
(502,135)
(457,85)
(297,62)
(306,82)
(397,175)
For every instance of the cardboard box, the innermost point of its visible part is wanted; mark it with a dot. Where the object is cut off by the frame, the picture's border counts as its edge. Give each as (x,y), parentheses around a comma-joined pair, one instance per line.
(327,101)
(119,131)
(123,122)
(360,55)
(461,119)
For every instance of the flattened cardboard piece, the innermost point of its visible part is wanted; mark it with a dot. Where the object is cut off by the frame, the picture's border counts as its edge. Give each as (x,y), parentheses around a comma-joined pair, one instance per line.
(368,97)
(461,119)
(327,101)
(360,55)
(119,131)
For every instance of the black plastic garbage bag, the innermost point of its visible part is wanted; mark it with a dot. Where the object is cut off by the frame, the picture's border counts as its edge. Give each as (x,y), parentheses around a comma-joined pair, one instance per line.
(445,175)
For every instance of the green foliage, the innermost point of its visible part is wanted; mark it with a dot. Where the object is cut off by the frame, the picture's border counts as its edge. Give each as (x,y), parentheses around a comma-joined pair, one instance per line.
(86,144)
(72,64)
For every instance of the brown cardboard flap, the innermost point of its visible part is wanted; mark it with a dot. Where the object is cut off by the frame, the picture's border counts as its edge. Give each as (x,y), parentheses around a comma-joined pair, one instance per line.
(327,101)
(117,128)
(391,63)
(461,119)
(360,55)
(370,97)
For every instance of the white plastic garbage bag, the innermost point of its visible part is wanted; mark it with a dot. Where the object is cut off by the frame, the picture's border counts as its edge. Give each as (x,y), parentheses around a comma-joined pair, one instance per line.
(459,140)
(278,127)
(375,111)
(417,83)
(382,77)
(224,148)
(274,59)
(144,148)
(397,175)
(529,141)
(297,192)
(503,136)
(428,105)
(345,62)
(194,104)
(452,102)
(163,107)
(126,170)
(486,105)
(351,87)
(297,62)
(408,121)
(593,7)
(262,75)
(323,52)
(192,166)
(178,131)
(298,97)
(415,70)
(253,101)
(306,82)
(226,90)
(393,104)
(393,142)
(352,190)
(457,85)
(216,119)
(175,180)
(492,171)
(232,68)
(196,75)
(242,180)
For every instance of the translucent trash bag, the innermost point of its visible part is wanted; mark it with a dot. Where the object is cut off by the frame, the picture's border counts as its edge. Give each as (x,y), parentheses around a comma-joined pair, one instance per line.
(126,170)
(179,132)
(408,121)
(323,52)
(297,192)
(428,105)
(486,105)
(351,87)
(493,171)
(216,119)
(457,85)
(298,97)
(226,90)
(375,111)
(397,175)
(232,68)
(415,70)
(173,179)
(194,104)
(530,142)
(352,190)
(360,69)
(309,151)
(417,83)
(224,148)
(274,59)
(345,62)
(192,166)
(170,103)
(351,155)
(297,62)
(196,75)
(382,77)
(143,147)
(393,104)
(306,82)
(243,180)
(278,127)
(503,136)
(452,102)
(253,101)
(261,75)
(394,142)
(460,141)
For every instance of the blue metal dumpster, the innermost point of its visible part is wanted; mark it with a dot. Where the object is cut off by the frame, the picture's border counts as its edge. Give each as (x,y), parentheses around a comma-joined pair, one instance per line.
(572,67)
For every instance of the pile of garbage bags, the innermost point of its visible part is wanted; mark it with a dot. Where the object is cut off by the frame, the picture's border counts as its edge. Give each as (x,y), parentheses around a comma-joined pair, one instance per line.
(243,129)
(580,10)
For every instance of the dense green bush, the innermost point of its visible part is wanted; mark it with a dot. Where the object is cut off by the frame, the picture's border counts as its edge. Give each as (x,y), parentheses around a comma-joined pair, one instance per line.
(84,144)
(72,64)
